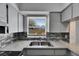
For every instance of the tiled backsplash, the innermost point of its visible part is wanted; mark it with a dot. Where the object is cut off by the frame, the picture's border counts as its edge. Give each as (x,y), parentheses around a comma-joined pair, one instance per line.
(61,35)
(20,35)
(5,39)
(5,36)
(57,36)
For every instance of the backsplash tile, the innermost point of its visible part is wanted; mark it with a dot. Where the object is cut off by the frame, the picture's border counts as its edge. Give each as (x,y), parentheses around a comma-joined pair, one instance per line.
(60,35)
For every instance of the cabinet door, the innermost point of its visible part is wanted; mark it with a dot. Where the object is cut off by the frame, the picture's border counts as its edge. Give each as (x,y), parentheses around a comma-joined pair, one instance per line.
(60,52)
(39,52)
(20,23)
(73,54)
(3,12)
(75,9)
(67,14)
(56,25)
(13,19)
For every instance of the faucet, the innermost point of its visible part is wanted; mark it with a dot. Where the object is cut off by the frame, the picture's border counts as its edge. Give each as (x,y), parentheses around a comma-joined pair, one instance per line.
(40,38)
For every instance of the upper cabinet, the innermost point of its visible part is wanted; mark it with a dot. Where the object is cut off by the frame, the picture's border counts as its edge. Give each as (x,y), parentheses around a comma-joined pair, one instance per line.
(75,9)
(67,14)
(12,19)
(72,11)
(20,23)
(56,25)
(3,12)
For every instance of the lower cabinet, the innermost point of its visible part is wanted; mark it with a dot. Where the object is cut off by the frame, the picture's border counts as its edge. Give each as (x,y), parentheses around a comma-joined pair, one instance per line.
(10,53)
(40,52)
(45,52)
(60,52)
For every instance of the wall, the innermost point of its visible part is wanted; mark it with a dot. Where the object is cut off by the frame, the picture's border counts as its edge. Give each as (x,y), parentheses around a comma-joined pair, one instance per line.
(54,22)
(77,32)
(74,32)
(26,13)
(56,25)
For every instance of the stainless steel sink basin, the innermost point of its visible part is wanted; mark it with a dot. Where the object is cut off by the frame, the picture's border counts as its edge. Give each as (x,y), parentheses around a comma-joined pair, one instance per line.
(40,44)
(34,43)
(46,43)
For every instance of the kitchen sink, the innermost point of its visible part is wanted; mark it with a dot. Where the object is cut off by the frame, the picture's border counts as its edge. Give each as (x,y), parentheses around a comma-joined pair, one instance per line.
(34,43)
(40,44)
(45,43)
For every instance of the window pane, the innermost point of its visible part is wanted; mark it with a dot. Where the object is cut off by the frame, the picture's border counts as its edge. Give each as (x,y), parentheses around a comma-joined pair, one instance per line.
(37,26)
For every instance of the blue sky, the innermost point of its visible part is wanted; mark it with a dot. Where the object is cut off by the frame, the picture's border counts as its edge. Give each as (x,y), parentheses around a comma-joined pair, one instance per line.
(40,22)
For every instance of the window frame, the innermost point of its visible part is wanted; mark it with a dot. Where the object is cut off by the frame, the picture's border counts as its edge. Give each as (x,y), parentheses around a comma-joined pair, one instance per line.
(46,28)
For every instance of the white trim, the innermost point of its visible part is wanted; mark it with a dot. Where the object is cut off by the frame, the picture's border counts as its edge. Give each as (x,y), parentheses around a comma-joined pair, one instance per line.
(27,25)
(14,5)
(34,12)
(34,18)
(48,23)
(46,29)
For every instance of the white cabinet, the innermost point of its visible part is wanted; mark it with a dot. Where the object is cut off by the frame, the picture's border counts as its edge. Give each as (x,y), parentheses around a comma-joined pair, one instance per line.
(75,9)
(20,23)
(40,52)
(67,14)
(12,19)
(60,52)
(45,52)
(70,12)
(3,12)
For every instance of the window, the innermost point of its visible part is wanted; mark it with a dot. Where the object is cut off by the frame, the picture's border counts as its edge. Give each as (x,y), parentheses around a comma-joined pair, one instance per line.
(36,25)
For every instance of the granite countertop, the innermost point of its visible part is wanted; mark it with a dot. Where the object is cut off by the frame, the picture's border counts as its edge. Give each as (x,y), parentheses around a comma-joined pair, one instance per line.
(74,48)
(20,44)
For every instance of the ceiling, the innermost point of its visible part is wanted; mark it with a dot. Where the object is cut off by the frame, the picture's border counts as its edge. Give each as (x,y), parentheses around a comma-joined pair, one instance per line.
(51,7)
